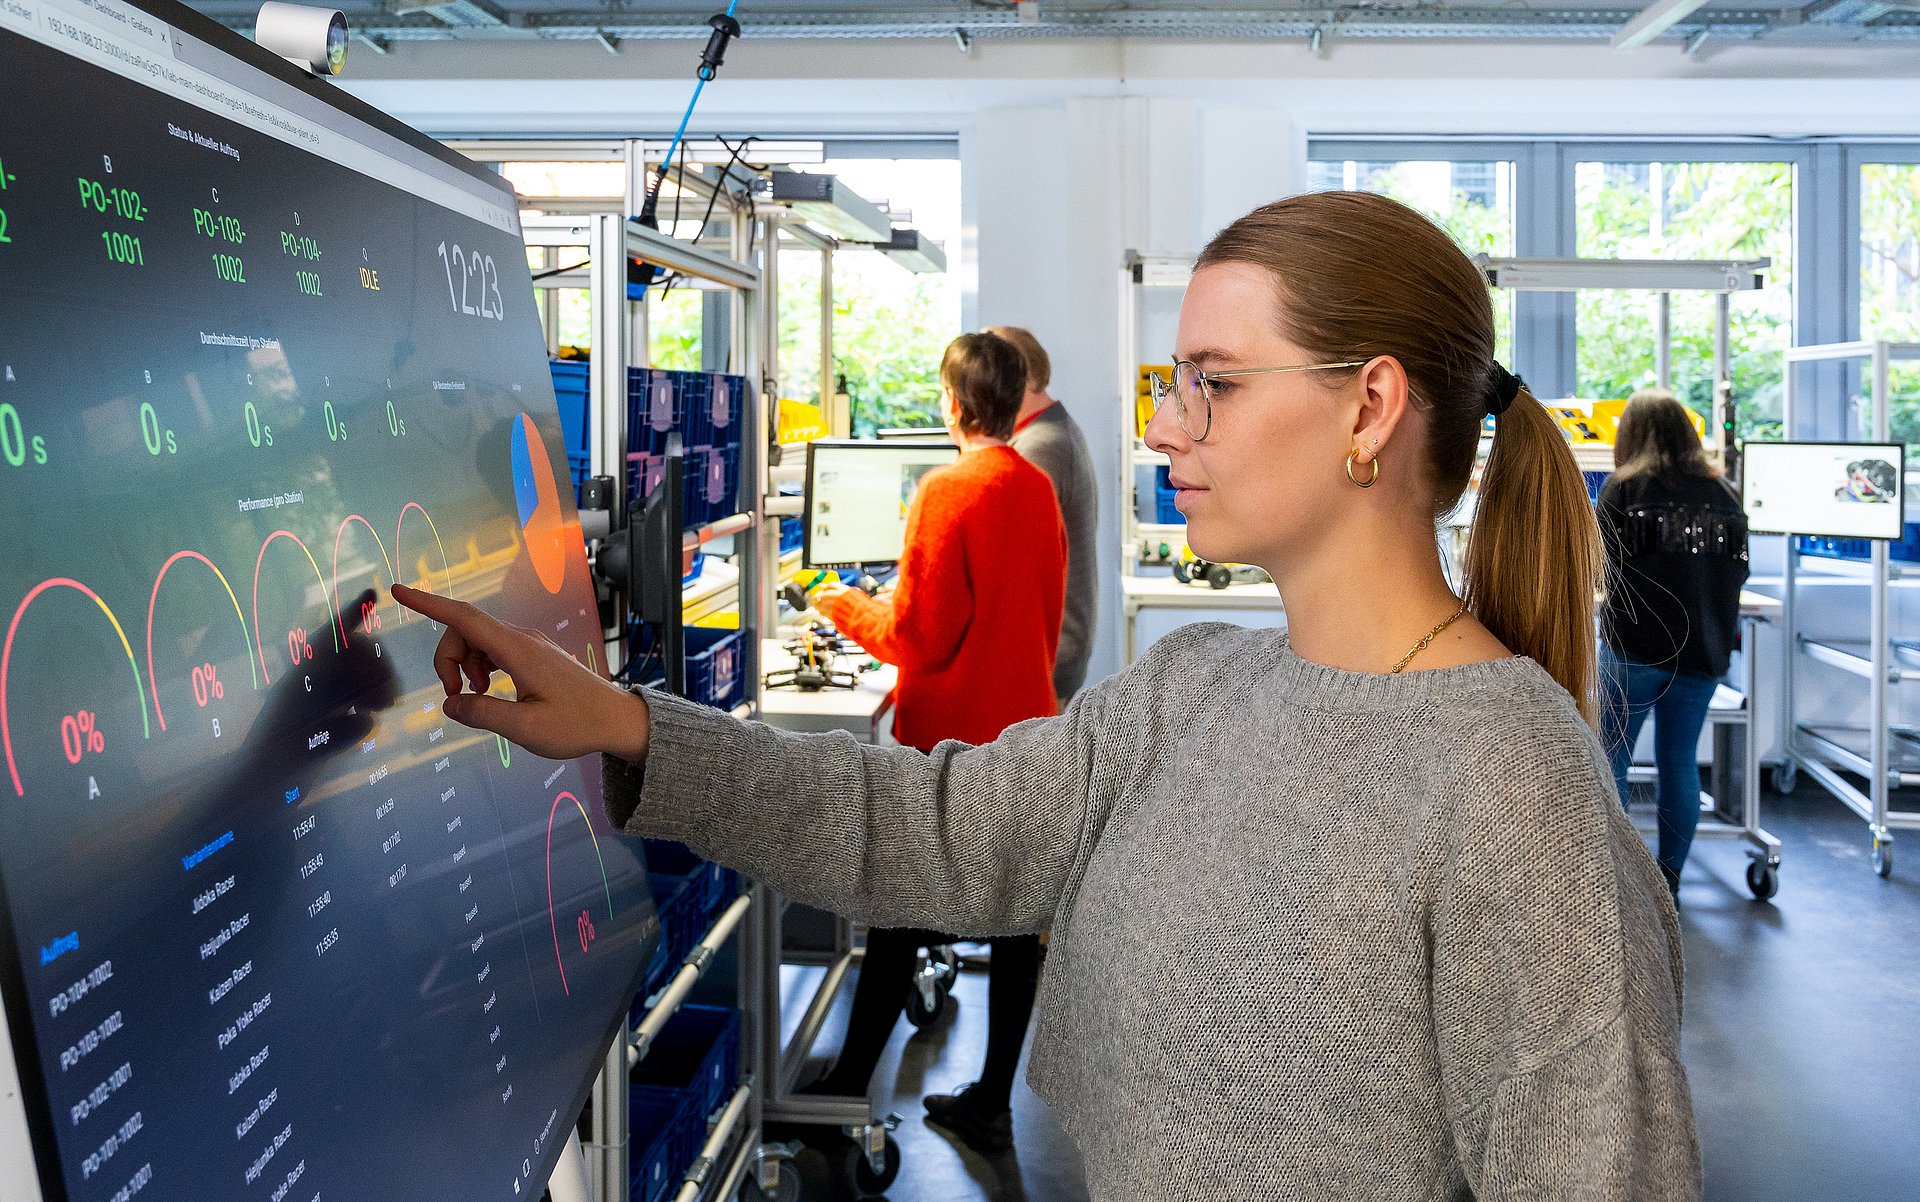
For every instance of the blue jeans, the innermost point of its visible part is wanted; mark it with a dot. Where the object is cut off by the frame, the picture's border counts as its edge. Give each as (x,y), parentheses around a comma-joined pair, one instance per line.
(1678,702)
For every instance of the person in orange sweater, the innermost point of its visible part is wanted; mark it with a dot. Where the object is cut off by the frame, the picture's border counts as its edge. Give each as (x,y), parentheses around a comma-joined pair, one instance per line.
(973,623)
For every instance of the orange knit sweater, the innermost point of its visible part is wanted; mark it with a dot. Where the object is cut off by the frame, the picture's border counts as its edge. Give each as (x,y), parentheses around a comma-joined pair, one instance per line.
(975,616)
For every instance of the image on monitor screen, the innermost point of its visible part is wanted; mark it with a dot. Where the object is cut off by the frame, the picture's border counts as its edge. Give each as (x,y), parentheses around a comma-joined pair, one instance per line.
(1831,489)
(271,926)
(858,497)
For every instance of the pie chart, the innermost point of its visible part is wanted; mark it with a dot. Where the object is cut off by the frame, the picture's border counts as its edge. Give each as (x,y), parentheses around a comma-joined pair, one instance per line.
(538,500)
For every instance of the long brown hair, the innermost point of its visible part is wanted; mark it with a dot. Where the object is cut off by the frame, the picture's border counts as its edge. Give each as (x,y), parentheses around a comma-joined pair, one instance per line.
(1361,276)
(1656,438)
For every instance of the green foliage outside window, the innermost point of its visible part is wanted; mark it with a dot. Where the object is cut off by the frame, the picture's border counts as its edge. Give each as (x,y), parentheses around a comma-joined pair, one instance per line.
(1890,281)
(1687,211)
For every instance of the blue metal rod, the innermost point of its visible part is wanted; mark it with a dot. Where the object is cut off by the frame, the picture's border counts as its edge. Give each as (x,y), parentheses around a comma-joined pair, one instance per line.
(660,176)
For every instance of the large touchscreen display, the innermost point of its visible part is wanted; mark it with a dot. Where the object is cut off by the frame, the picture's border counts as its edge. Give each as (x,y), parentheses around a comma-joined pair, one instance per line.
(274,928)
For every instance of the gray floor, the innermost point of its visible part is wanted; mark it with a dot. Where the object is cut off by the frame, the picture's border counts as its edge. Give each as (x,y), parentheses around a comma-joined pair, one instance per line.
(1802,1037)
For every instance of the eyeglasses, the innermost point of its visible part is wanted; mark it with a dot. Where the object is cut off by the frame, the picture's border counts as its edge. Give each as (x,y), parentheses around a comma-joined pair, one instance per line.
(1192,390)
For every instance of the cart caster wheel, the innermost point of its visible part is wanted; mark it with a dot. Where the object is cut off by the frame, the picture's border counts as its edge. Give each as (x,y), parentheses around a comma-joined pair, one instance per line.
(859,1174)
(1763,880)
(1219,576)
(1785,777)
(1882,857)
(920,1013)
(788,1190)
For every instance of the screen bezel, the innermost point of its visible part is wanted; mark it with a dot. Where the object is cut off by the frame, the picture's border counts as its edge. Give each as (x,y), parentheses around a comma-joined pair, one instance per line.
(232,44)
(806,510)
(25,1104)
(1896,451)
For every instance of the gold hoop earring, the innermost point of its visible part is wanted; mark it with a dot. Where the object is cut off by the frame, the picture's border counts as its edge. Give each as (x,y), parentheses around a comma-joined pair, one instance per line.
(1358,482)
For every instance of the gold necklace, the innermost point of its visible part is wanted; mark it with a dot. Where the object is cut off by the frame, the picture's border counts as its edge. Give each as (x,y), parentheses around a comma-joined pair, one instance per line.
(1430,636)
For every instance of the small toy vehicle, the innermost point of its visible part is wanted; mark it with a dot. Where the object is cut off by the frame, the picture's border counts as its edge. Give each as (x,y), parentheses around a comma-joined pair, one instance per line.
(1189,568)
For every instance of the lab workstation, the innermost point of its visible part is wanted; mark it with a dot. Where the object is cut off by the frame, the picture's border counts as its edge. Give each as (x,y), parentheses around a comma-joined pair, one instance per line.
(1052,601)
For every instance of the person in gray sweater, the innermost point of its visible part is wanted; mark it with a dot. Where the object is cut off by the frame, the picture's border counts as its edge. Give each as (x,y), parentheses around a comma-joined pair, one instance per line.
(1050,439)
(1345,911)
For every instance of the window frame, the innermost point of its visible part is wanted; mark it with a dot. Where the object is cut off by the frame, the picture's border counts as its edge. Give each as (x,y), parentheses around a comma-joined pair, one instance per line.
(1826,228)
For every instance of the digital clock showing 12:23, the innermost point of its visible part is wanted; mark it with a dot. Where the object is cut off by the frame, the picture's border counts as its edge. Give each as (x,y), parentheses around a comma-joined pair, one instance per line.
(473,282)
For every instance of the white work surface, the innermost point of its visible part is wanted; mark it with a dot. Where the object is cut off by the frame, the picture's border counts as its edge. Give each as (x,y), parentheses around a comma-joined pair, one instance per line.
(863,710)
(1148,592)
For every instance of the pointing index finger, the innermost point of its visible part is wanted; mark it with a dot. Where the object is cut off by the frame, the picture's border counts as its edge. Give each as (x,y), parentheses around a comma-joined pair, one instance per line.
(475,628)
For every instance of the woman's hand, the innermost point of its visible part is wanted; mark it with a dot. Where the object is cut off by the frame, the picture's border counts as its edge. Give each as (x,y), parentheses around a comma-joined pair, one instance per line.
(826,595)
(562,709)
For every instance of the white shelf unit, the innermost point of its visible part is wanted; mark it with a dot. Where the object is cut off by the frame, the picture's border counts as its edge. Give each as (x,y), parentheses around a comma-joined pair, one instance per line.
(1826,751)
(1140,590)
(727,264)
(747,265)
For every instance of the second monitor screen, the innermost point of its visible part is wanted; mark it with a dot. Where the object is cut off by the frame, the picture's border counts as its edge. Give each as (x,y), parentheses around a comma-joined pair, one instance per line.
(858,494)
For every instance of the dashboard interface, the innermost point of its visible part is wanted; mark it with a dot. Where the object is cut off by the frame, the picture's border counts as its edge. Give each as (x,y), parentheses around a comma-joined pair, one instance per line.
(271,926)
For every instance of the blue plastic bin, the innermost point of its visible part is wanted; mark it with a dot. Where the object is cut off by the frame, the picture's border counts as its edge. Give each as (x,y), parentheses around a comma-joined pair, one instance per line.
(697,1050)
(1906,550)
(681,905)
(716,667)
(570,390)
(666,1128)
(1163,495)
(713,482)
(718,886)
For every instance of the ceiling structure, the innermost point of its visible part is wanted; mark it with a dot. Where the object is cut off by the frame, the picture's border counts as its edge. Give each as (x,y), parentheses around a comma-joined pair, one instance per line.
(1678,22)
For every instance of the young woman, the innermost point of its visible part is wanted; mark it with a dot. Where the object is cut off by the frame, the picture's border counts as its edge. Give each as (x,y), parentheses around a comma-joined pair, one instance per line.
(1678,541)
(974,639)
(1345,911)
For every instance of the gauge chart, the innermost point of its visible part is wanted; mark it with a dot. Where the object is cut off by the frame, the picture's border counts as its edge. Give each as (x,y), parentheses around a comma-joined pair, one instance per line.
(573,907)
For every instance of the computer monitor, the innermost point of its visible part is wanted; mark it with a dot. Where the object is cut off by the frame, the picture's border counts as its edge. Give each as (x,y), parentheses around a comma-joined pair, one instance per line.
(857,498)
(914,434)
(271,926)
(1830,489)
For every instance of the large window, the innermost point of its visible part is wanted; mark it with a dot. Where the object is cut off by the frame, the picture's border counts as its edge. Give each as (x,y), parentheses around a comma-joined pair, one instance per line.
(1890,280)
(890,326)
(1472,199)
(1686,210)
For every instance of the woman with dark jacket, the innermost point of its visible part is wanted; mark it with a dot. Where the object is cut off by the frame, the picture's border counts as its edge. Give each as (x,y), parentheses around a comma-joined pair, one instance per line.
(1677,540)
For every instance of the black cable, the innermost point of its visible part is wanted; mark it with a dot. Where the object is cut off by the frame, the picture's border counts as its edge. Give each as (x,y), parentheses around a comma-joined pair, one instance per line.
(553,271)
(726,173)
(630,670)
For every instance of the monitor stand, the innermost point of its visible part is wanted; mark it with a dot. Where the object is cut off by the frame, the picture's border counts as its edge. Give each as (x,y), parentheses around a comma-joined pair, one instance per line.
(569,1181)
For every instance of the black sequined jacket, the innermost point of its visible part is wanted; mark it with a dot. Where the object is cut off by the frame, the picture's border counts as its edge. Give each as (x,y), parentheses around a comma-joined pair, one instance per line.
(1677,556)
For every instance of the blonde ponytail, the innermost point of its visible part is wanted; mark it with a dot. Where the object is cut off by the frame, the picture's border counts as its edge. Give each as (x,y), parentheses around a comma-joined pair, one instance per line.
(1534,557)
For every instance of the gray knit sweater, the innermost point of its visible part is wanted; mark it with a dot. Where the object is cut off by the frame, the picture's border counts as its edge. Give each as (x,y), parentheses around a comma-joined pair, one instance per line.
(1316,934)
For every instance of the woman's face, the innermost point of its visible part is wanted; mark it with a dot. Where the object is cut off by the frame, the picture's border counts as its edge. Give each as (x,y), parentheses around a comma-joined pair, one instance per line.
(1263,488)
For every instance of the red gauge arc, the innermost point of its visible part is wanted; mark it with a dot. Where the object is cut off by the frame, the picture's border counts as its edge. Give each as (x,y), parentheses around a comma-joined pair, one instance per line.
(6,666)
(259,644)
(446,567)
(384,558)
(153,681)
(552,920)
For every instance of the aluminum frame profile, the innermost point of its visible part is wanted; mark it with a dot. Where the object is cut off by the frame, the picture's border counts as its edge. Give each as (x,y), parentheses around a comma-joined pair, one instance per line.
(1640,275)
(1654,20)
(1864,21)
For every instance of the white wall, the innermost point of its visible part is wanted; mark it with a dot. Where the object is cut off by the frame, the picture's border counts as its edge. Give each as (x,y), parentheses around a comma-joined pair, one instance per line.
(1075,151)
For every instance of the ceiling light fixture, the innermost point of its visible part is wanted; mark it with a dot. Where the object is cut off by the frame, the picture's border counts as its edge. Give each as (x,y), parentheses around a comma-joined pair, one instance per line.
(829,204)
